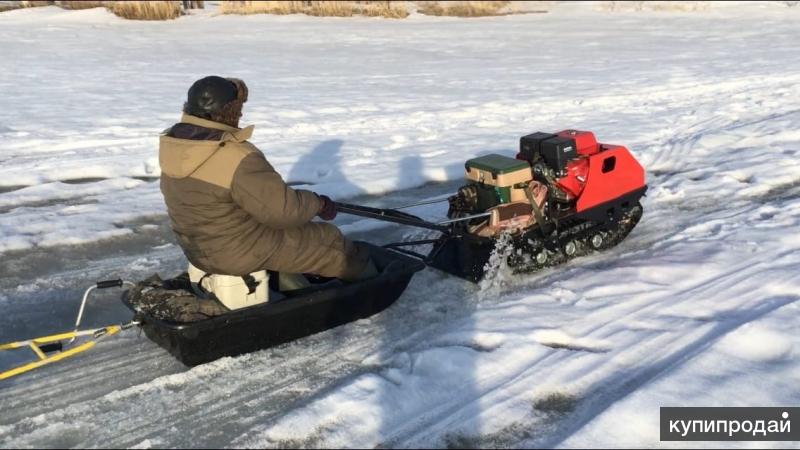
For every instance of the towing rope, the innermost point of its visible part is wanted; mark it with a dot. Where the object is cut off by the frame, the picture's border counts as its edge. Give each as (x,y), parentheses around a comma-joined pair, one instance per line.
(41,346)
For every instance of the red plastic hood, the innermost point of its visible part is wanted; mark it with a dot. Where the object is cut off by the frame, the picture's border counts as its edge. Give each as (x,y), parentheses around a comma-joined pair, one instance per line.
(585,142)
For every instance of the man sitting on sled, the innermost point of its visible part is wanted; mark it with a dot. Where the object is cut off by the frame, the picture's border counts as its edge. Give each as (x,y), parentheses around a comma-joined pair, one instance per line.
(231,211)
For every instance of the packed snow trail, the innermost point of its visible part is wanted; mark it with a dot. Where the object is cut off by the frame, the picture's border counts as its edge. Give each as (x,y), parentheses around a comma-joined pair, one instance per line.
(697,307)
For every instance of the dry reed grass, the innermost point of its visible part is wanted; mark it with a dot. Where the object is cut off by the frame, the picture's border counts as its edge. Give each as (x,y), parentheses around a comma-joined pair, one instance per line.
(669,6)
(8,6)
(388,9)
(146,10)
(464,8)
(81,4)
(395,9)
(680,6)
(163,10)
(35,4)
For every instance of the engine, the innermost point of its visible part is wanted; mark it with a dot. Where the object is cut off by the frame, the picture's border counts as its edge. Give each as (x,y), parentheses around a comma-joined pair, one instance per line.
(552,177)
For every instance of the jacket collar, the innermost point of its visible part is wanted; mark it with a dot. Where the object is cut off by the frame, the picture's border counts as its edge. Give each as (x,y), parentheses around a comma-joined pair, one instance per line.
(231,133)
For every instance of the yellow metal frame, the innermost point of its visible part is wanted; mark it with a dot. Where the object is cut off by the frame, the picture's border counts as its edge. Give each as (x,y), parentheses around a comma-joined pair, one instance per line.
(44,359)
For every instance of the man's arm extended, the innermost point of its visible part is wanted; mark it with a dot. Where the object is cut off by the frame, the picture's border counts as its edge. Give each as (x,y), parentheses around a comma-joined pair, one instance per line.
(260,191)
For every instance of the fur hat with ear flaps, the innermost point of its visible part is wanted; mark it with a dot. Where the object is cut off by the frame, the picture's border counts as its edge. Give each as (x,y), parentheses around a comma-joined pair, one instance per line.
(217,99)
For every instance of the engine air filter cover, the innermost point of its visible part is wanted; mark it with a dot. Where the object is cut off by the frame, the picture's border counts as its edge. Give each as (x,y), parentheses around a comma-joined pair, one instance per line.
(557,151)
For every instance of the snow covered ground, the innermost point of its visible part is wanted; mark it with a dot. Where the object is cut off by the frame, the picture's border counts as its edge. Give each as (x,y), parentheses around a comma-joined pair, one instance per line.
(698,307)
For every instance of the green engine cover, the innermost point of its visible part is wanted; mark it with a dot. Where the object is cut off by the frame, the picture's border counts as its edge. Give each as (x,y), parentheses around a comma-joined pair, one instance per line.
(497,164)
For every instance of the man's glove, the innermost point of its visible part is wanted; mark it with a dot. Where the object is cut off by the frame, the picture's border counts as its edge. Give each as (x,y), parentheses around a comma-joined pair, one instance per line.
(328,209)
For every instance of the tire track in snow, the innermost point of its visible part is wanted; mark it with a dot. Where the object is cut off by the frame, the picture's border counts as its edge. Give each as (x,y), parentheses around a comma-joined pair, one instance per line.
(603,400)
(603,391)
(686,132)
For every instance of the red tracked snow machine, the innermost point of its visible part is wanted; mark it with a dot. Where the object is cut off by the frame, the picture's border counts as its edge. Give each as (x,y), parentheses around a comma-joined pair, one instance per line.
(564,195)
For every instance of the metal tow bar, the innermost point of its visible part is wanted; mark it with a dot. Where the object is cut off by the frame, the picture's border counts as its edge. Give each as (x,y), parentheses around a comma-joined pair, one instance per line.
(390,215)
(393,215)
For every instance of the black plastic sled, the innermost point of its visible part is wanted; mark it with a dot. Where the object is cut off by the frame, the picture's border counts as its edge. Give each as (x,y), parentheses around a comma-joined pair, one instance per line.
(301,313)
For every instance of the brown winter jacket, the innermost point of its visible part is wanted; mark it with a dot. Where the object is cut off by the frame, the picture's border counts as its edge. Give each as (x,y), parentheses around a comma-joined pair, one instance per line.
(233,214)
